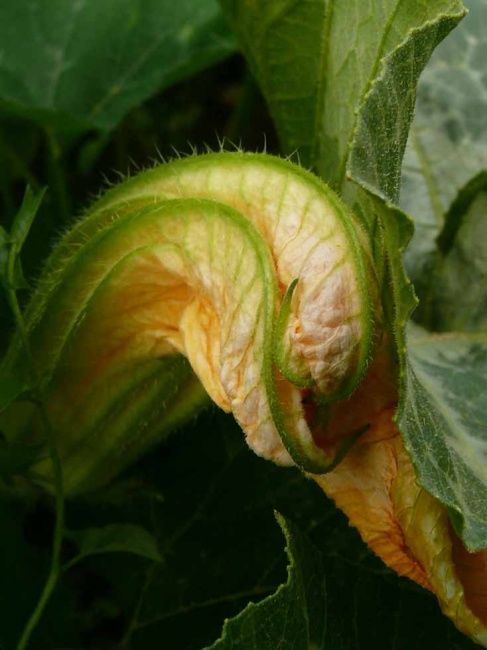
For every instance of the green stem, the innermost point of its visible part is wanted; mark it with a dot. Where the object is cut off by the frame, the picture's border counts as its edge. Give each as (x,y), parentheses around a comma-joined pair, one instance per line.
(134,621)
(37,390)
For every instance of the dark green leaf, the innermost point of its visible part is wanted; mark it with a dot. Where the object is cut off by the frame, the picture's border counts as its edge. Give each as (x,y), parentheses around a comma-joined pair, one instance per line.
(15,458)
(221,549)
(10,390)
(443,421)
(88,62)
(115,538)
(294,617)
(377,143)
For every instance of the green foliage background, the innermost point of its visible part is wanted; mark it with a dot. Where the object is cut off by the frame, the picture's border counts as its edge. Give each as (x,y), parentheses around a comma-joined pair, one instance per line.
(176,549)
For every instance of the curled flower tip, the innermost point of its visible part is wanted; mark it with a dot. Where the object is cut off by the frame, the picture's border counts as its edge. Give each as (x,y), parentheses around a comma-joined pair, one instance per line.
(243,268)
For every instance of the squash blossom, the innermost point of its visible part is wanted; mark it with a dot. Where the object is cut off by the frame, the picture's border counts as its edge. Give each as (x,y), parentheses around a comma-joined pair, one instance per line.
(245,278)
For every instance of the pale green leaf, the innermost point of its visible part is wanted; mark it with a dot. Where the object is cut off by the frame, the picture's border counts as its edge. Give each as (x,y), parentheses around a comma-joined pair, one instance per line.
(444,424)
(444,416)
(340,76)
(448,139)
(457,296)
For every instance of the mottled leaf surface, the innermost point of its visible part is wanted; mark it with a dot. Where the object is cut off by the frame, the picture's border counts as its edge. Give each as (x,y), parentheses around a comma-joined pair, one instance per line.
(457,296)
(88,63)
(448,140)
(444,424)
(445,411)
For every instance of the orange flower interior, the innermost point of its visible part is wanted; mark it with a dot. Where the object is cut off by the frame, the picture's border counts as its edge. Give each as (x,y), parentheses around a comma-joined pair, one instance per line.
(375,485)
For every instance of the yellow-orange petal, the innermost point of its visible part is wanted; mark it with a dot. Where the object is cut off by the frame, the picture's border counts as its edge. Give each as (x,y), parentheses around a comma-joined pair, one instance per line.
(471,568)
(361,486)
(429,536)
(375,485)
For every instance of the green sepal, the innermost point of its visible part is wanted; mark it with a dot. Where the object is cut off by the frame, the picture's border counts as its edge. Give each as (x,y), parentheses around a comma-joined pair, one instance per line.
(281,354)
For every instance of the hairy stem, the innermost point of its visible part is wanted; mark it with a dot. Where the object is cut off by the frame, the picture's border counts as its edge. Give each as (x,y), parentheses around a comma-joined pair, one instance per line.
(56,469)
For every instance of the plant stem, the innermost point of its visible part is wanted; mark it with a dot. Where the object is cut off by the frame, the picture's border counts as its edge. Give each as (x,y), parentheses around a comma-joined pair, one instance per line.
(37,390)
(133,623)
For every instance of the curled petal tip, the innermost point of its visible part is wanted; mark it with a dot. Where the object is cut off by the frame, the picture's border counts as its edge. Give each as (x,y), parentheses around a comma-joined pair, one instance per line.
(189,259)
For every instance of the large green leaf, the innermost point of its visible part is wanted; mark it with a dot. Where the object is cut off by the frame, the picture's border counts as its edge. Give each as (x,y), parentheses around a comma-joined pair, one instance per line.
(448,140)
(340,76)
(443,422)
(445,410)
(294,617)
(88,62)
(210,502)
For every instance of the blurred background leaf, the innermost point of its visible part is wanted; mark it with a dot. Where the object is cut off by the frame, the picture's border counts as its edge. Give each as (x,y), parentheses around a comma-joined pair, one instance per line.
(88,62)
(53,143)
(455,299)
(447,143)
(210,502)
(114,538)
